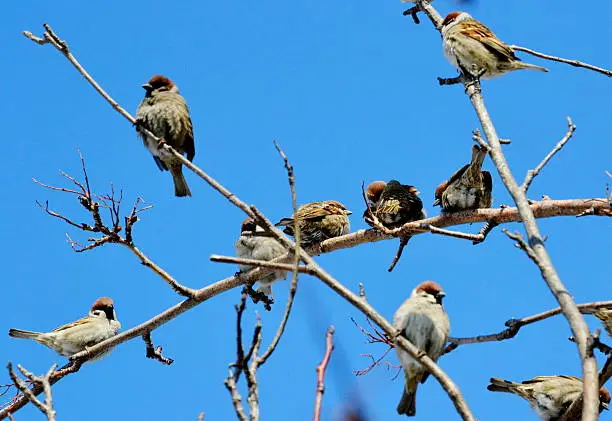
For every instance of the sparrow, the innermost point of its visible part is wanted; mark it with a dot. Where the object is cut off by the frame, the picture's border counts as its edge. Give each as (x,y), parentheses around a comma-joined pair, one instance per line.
(318,221)
(100,324)
(164,112)
(549,396)
(468,188)
(605,315)
(475,50)
(393,203)
(254,243)
(423,321)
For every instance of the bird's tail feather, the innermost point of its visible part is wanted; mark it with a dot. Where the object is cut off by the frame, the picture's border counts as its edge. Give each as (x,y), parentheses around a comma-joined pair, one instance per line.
(407,404)
(23,334)
(180,184)
(532,67)
(500,385)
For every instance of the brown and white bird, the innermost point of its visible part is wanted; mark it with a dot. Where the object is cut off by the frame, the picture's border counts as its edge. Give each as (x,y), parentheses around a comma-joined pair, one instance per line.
(318,221)
(475,50)
(468,188)
(100,324)
(605,315)
(423,321)
(254,243)
(393,203)
(164,112)
(549,396)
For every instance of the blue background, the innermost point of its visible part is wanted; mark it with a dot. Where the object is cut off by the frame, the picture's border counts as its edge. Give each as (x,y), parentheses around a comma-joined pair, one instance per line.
(349,90)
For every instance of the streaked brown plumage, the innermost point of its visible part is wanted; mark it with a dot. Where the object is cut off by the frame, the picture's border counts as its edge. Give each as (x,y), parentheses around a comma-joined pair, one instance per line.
(164,112)
(468,188)
(393,203)
(605,315)
(319,221)
(549,396)
(474,49)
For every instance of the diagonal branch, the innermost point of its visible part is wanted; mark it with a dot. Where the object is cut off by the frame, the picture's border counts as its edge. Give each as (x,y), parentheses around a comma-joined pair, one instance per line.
(571,62)
(531,174)
(535,240)
(514,325)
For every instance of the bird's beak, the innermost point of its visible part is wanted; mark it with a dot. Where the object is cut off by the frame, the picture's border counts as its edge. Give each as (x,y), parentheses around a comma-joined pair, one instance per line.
(436,202)
(441,294)
(605,406)
(347,212)
(147,87)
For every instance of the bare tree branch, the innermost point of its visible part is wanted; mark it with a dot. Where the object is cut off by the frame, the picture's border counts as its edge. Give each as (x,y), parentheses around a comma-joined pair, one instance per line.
(514,325)
(321,368)
(531,174)
(574,63)
(43,382)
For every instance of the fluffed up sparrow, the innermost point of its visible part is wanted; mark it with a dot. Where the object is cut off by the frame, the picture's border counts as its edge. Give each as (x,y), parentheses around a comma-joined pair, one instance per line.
(164,112)
(393,203)
(318,221)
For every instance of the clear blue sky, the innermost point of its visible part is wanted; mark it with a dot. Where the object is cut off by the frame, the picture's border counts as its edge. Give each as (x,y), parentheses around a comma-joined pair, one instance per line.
(349,90)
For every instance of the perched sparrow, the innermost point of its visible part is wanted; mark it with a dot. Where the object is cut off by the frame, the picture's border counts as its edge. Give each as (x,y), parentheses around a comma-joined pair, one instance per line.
(475,50)
(255,244)
(164,112)
(468,188)
(422,320)
(318,222)
(549,396)
(67,340)
(605,315)
(393,203)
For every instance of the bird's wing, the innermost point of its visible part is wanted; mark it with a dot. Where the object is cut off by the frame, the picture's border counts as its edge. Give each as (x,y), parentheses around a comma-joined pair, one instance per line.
(67,326)
(189,144)
(486,37)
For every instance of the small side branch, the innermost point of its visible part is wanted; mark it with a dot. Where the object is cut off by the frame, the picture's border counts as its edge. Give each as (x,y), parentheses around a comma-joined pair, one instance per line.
(514,325)
(574,63)
(155,353)
(43,382)
(531,174)
(321,368)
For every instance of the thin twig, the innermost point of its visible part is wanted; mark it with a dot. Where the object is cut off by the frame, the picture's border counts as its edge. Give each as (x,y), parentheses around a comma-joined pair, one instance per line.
(514,325)
(296,262)
(155,353)
(258,263)
(43,382)
(329,347)
(531,174)
(574,63)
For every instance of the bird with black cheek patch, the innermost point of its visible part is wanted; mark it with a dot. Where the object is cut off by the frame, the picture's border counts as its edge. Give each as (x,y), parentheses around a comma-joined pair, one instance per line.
(164,112)
(474,49)
(549,396)
(469,188)
(255,243)
(422,320)
(100,324)
(318,221)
